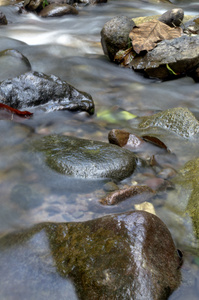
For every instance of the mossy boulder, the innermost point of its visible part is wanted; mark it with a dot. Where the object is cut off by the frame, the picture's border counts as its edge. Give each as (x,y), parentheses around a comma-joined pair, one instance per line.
(177,120)
(126,256)
(188,192)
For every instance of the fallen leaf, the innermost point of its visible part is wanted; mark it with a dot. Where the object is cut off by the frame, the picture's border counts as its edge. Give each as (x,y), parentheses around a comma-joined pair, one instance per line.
(121,195)
(154,140)
(124,57)
(148,34)
(23,114)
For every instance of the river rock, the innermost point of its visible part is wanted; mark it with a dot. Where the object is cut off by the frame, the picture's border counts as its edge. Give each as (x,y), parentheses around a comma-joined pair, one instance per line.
(188,193)
(178,120)
(57,10)
(32,5)
(125,256)
(10,58)
(48,92)
(115,35)
(80,158)
(172,17)
(3,20)
(181,55)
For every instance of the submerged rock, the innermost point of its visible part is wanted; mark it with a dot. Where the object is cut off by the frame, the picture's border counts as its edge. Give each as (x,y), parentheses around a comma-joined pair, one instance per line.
(10,58)
(125,256)
(115,35)
(86,159)
(48,92)
(57,10)
(177,120)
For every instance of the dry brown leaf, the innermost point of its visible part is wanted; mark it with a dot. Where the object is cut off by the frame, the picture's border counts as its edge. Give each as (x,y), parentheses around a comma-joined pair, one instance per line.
(124,57)
(148,34)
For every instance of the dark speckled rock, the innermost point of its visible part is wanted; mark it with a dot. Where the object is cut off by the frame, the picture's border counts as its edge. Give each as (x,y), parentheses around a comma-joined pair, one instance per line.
(47,91)
(115,35)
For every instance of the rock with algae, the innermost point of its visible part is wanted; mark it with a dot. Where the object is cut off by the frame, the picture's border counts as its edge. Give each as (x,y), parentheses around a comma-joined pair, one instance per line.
(125,256)
(187,180)
(86,159)
(177,120)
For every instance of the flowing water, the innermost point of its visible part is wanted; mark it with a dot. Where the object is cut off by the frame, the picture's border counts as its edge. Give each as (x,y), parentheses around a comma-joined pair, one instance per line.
(70,48)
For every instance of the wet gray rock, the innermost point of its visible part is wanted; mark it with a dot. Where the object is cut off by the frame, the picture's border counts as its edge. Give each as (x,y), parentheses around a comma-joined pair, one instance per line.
(177,120)
(57,10)
(3,20)
(115,35)
(172,17)
(10,58)
(125,256)
(180,54)
(48,92)
(86,159)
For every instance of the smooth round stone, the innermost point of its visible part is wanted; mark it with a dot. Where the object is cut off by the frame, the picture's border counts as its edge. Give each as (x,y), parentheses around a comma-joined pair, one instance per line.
(86,159)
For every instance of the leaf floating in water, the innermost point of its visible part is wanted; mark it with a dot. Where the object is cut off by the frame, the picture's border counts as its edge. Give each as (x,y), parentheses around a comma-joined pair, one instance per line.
(154,140)
(114,115)
(23,114)
(121,195)
(146,36)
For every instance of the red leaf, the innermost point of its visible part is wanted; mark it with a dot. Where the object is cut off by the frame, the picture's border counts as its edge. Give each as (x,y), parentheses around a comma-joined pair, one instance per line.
(154,140)
(23,114)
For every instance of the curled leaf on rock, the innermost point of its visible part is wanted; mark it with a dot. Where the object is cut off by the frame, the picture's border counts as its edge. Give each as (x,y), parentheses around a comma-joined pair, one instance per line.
(146,36)
(23,114)
(123,194)
(124,57)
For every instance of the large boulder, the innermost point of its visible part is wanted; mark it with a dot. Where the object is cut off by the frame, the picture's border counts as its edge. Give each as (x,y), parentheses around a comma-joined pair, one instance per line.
(115,35)
(126,256)
(46,91)
(80,158)
(170,58)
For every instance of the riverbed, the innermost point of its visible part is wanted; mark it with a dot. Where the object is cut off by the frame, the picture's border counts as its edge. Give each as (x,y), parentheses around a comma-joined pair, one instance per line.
(70,47)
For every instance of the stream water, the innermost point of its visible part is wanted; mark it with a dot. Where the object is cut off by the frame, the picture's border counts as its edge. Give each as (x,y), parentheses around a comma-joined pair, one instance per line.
(70,48)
